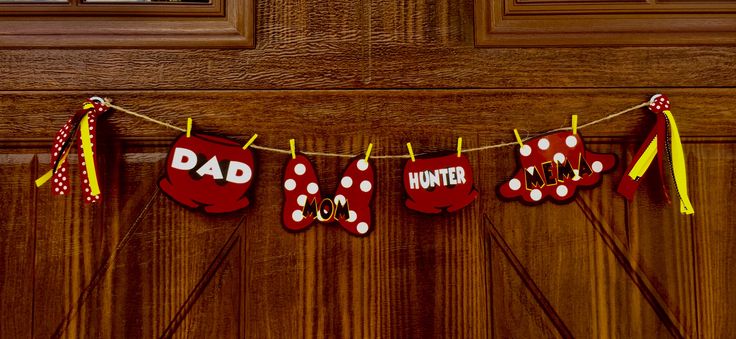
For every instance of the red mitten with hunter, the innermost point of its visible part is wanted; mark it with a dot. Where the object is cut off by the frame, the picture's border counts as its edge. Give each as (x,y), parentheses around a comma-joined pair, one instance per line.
(435,184)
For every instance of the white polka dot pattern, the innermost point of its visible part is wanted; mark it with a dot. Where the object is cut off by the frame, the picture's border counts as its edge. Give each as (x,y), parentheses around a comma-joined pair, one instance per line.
(559,158)
(65,138)
(515,184)
(561,191)
(354,191)
(557,165)
(543,144)
(525,150)
(536,194)
(597,166)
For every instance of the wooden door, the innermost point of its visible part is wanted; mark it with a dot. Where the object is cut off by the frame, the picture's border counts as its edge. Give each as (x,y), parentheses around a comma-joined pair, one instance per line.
(335,76)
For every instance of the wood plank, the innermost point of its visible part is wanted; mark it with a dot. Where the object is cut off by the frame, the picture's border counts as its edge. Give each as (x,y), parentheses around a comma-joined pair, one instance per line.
(294,60)
(155,273)
(214,310)
(372,44)
(102,228)
(17,243)
(711,176)
(68,251)
(627,261)
(131,280)
(662,242)
(699,112)
(523,310)
(567,259)
(414,276)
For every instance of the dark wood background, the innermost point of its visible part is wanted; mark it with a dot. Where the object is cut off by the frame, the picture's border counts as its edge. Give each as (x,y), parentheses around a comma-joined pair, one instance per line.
(336,75)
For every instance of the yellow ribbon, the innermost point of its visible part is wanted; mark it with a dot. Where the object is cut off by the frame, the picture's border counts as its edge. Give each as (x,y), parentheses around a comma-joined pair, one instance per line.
(89,162)
(46,176)
(678,166)
(641,165)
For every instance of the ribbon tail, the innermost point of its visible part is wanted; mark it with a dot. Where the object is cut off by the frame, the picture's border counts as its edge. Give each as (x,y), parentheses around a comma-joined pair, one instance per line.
(44,178)
(87,162)
(60,172)
(678,166)
(662,149)
(59,151)
(638,166)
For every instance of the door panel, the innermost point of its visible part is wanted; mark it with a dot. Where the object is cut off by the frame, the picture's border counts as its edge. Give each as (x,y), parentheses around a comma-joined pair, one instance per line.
(16,244)
(713,235)
(335,77)
(144,266)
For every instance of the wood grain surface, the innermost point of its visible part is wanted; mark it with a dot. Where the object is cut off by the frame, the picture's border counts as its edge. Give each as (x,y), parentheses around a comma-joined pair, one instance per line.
(540,23)
(336,76)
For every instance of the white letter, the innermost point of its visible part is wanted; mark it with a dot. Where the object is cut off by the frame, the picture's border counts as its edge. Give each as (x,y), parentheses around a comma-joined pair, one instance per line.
(413,180)
(424,179)
(211,167)
(232,172)
(443,171)
(452,176)
(460,174)
(434,180)
(184,159)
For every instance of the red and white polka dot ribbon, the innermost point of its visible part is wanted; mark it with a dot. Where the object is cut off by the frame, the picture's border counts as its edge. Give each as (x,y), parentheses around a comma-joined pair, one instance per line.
(81,127)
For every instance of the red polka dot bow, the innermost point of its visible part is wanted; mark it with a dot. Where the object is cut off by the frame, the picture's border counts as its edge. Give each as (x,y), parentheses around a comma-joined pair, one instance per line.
(303,202)
(82,126)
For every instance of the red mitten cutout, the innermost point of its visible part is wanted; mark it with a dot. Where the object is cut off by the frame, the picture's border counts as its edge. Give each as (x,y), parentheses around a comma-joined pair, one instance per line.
(208,172)
(437,183)
(554,166)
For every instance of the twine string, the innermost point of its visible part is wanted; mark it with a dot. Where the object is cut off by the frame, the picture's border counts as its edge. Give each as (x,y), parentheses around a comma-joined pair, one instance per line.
(390,156)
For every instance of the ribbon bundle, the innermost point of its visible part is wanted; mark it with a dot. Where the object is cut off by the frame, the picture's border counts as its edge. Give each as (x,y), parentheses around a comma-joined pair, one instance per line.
(83,126)
(663,140)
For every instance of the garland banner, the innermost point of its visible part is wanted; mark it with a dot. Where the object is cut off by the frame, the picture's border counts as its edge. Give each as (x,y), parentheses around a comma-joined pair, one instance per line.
(214,173)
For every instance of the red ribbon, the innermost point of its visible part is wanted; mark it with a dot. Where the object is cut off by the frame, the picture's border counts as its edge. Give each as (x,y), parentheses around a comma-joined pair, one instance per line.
(664,143)
(628,185)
